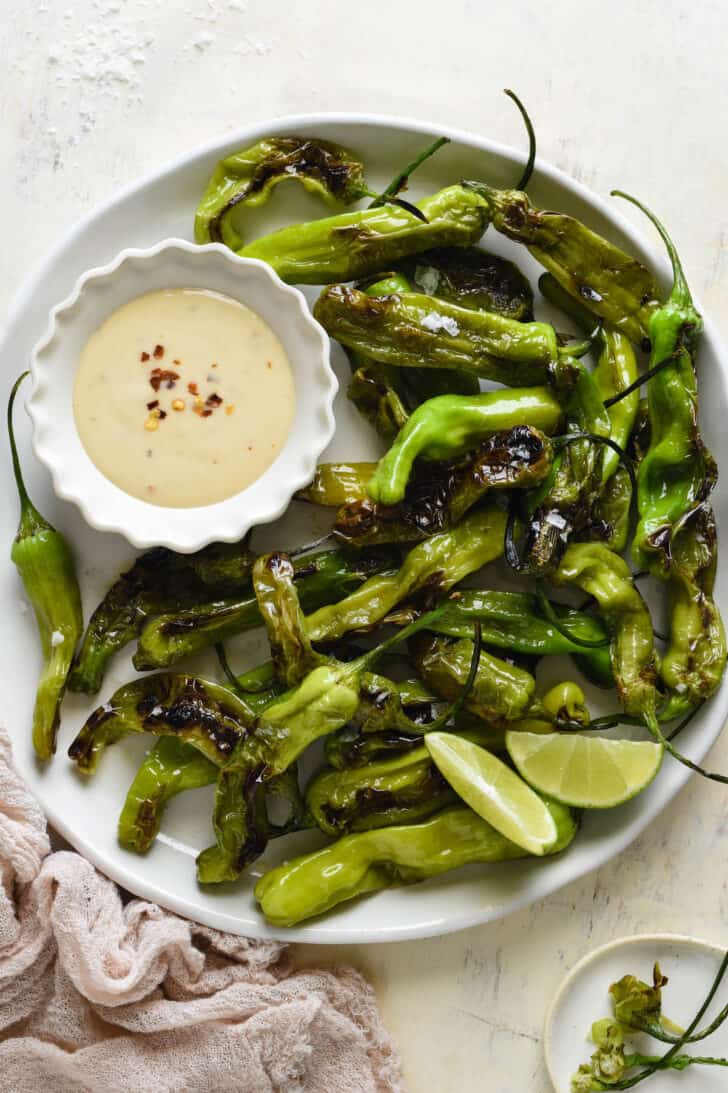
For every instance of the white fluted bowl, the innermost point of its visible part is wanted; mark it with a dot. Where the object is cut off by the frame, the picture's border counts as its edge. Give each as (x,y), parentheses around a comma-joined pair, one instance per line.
(175,263)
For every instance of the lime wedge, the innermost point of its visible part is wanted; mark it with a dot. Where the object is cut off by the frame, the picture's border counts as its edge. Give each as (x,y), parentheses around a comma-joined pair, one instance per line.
(584,771)
(494,791)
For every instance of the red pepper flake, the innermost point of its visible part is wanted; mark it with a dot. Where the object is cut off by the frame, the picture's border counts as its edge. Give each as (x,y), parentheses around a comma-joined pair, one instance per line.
(176,361)
(214,364)
(144,356)
(158,352)
(206,413)
(163,375)
(269,364)
(162,415)
(153,404)
(192,388)
(213,400)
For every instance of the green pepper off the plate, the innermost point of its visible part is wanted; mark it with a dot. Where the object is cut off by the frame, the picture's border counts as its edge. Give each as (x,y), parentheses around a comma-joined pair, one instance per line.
(46,568)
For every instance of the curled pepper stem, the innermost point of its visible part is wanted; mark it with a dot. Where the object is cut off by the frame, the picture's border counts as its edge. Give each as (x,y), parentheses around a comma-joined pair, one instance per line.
(314,545)
(225,665)
(528,169)
(680,288)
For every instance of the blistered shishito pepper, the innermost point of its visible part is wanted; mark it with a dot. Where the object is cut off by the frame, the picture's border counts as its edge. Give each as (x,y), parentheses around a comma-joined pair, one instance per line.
(404,789)
(610,283)
(411,330)
(514,621)
(501,691)
(385,395)
(46,568)
(336,484)
(428,571)
(249,176)
(439,498)
(372,860)
(473,278)
(601,573)
(615,371)
(675,538)
(158,582)
(280,608)
(446,427)
(196,711)
(321,578)
(171,767)
(352,245)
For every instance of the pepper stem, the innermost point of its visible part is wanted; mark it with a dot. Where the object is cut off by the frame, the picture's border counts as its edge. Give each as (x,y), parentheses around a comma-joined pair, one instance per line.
(654,727)
(400,180)
(680,293)
(30,519)
(528,169)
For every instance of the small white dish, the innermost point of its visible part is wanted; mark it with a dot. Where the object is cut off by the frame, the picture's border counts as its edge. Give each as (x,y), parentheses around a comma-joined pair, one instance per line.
(583,997)
(175,263)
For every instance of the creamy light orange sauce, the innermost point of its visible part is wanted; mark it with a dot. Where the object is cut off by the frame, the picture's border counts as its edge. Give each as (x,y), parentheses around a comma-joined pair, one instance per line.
(183,397)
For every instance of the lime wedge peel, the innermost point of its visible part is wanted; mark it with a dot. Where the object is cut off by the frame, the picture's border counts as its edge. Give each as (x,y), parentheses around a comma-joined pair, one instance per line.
(584,771)
(494,791)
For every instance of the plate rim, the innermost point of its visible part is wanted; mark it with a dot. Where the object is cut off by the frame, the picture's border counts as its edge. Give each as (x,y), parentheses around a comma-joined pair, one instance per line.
(321,931)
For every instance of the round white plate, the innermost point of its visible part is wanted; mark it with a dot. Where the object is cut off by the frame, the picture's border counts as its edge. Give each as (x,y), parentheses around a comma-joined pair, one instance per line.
(583,997)
(86,812)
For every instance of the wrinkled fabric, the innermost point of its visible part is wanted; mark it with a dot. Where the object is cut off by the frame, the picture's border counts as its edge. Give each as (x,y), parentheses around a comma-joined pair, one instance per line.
(97,995)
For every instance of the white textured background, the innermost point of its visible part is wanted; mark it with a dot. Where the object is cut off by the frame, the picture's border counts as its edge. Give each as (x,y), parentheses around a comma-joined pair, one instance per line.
(630,93)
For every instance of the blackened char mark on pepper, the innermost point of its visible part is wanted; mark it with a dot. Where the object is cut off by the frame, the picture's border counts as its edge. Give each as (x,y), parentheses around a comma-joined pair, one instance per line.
(189,710)
(257,825)
(296,156)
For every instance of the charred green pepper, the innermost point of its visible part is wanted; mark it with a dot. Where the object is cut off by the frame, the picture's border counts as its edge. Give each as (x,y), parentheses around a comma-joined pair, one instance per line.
(372,860)
(46,568)
(410,330)
(610,283)
(516,459)
(336,484)
(249,176)
(447,427)
(355,244)
(472,278)
(159,581)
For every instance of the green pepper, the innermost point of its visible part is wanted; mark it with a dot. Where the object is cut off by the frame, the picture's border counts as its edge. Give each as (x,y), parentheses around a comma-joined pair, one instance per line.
(336,484)
(451,425)
(196,711)
(46,567)
(323,577)
(160,581)
(610,518)
(439,498)
(604,575)
(473,278)
(615,371)
(675,538)
(392,791)
(249,176)
(410,330)
(610,283)
(501,692)
(372,860)
(280,608)
(355,244)
(515,622)
(385,395)
(355,747)
(429,570)
(171,767)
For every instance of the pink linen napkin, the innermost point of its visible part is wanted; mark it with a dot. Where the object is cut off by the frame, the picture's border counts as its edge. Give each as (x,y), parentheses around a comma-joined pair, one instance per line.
(97,995)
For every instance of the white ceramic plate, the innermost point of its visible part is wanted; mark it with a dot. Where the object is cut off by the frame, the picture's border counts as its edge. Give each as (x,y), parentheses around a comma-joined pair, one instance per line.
(583,997)
(86,812)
